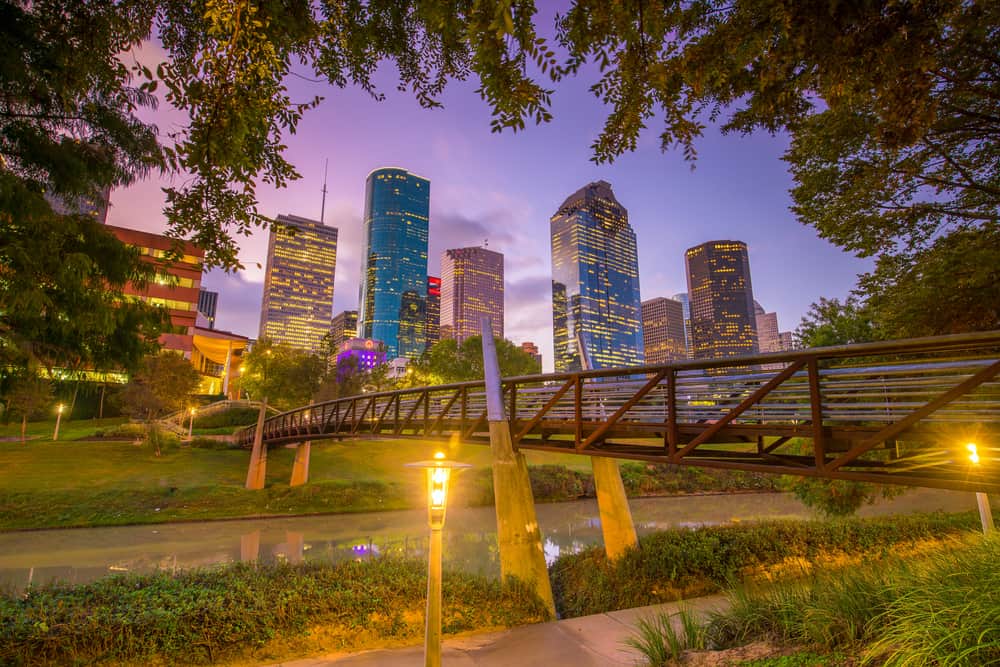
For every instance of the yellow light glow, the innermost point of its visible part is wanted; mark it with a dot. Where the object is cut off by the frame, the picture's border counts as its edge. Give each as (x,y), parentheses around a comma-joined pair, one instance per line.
(973,452)
(437,498)
(59,409)
(193,410)
(439,455)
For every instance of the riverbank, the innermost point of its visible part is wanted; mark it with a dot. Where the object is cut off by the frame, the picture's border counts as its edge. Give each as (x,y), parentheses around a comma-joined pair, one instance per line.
(87,483)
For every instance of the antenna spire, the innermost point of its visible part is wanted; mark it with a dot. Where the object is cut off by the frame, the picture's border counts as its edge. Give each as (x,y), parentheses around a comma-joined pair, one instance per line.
(322,208)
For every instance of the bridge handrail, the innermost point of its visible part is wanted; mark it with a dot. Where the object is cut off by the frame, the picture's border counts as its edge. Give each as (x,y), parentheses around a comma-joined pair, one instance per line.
(926,344)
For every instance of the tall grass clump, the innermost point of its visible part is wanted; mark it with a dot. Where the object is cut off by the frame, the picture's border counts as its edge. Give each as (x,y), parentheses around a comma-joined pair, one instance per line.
(941,608)
(661,640)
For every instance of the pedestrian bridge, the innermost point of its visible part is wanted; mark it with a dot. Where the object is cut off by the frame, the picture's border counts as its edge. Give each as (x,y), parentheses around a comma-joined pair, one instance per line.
(919,412)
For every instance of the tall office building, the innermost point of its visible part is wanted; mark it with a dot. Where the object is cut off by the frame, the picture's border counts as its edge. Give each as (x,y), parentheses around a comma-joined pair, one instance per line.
(207,304)
(298,283)
(686,304)
(722,306)
(595,283)
(393,294)
(787,341)
(343,327)
(433,311)
(663,331)
(768,337)
(471,287)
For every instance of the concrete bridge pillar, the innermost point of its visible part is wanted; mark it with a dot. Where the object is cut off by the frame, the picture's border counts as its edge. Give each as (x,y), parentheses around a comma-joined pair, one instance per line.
(616,517)
(518,535)
(300,467)
(258,456)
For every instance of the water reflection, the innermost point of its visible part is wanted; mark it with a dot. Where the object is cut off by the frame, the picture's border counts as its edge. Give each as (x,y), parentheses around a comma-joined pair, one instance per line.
(82,555)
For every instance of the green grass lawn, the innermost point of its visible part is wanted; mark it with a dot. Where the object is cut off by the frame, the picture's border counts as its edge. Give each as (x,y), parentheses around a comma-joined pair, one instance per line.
(80,483)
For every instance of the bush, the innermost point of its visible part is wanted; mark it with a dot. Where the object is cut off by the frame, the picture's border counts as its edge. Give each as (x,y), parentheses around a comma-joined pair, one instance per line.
(549,484)
(230,611)
(679,563)
(212,443)
(233,417)
(646,479)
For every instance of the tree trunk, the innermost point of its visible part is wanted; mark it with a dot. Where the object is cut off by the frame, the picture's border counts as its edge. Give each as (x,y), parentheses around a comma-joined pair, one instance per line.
(100,404)
(72,403)
(24,427)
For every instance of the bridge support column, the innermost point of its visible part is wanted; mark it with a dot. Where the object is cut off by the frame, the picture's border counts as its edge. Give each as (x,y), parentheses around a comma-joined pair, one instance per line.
(616,517)
(258,456)
(249,546)
(985,513)
(300,468)
(518,535)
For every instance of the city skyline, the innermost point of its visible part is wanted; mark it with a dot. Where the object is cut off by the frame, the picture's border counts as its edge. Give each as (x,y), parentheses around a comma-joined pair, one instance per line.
(500,187)
(472,286)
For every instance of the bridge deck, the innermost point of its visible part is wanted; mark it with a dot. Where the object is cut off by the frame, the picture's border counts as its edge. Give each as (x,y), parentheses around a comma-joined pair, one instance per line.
(898,413)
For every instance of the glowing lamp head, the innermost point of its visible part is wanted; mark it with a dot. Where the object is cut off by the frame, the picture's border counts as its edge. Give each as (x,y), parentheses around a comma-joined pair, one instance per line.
(973,452)
(438,474)
(193,410)
(59,408)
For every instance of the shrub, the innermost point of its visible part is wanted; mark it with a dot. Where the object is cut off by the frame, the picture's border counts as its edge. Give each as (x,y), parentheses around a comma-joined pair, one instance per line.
(233,417)
(229,611)
(212,443)
(679,563)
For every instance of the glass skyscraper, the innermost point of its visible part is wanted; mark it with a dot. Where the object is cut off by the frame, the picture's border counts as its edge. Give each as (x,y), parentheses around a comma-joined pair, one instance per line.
(722,306)
(298,283)
(392,303)
(595,283)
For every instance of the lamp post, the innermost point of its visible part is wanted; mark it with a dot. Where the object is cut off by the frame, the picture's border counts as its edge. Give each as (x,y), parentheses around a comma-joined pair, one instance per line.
(438,472)
(191,423)
(59,411)
(239,387)
(982,500)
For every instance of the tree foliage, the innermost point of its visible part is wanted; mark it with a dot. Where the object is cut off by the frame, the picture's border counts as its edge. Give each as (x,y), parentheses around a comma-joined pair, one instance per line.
(286,377)
(162,384)
(26,395)
(449,361)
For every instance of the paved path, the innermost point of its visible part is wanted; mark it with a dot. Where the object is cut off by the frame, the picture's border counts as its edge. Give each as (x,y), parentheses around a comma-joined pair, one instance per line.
(588,641)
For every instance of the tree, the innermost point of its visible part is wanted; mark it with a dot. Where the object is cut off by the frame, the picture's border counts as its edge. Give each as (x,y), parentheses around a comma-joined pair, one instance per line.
(448,361)
(28,394)
(163,383)
(892,107)
(287,377)
(831,322)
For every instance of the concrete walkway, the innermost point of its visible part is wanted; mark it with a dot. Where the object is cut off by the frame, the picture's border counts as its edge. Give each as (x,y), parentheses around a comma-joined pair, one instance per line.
(588,641)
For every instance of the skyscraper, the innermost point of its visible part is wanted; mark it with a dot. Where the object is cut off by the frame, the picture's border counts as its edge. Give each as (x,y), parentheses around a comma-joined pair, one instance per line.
(433,310)
(686,304)
(471,287)
(298,282)
(722,306)
(595,282)
(393,294)
(343,327)
(768,339)
(663,330)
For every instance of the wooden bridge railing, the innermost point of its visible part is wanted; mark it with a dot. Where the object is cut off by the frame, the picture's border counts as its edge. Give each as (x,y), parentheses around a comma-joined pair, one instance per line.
(900,412)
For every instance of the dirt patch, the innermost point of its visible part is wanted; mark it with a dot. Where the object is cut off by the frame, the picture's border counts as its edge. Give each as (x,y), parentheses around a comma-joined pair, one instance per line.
(732,656)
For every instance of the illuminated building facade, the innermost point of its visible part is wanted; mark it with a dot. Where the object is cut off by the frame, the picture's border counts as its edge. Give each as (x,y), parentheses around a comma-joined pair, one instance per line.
(471,288)
(768,337)
(787,341)
(433,311)
(343,327)
(722,305)
(298,283)
(663,331)
(175,287)
(367,353)
(393,294)
(595,283)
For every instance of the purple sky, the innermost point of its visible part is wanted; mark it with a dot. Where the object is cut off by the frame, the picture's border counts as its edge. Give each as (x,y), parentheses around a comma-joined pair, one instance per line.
(504,187)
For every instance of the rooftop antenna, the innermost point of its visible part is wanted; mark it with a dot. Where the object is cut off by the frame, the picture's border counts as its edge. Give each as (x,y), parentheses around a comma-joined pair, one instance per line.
(322,208)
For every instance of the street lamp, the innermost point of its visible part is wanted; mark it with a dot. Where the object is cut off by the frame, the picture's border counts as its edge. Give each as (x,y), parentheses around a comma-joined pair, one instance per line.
(982,500)
(191,423)
(438,472)
(59,411)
